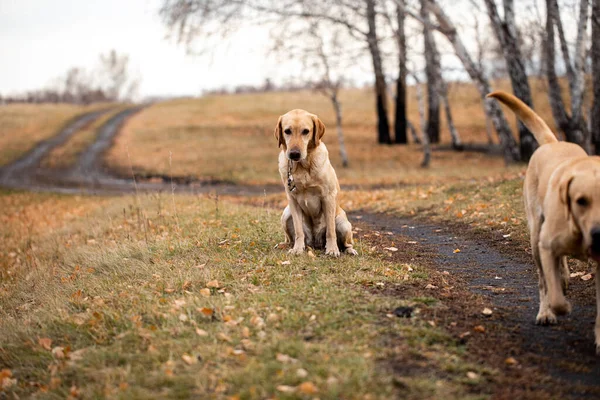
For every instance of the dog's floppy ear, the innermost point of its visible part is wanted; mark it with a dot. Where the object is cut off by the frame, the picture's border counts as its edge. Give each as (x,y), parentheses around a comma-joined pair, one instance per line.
(565,198)
(279,133)
(318,130)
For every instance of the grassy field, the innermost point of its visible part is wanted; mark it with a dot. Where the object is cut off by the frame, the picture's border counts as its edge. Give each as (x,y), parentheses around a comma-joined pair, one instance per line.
(147,297)
(22,126)
(66,155)
(231,138)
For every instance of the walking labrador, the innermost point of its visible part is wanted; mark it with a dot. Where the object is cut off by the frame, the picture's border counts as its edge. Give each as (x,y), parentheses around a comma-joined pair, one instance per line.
(312,217)
(562,202)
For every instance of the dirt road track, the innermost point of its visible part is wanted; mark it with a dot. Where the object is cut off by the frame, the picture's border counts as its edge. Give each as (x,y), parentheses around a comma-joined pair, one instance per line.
(505,276)
(492,268)
(89,175)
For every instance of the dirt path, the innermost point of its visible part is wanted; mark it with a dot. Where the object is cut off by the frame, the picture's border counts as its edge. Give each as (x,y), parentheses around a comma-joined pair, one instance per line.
(89,175)
(488,267)
(506,278)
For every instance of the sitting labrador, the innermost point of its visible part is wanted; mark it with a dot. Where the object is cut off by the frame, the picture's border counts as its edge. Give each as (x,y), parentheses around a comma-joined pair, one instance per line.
(562,203)
(312,217)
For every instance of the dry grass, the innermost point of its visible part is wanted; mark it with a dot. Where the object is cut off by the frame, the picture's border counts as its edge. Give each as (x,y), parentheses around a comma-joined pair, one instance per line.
(138,299)
(66,155)
(230,138)
(22,126)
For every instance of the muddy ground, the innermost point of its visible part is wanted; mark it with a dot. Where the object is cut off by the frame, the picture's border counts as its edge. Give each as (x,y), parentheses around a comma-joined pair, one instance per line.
(489,271)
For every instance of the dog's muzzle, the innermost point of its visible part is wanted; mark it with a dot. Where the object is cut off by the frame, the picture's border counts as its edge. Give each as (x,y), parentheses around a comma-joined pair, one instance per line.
(294,155)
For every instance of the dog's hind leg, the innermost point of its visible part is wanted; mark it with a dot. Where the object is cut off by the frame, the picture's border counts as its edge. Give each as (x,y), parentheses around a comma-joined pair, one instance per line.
(343,230)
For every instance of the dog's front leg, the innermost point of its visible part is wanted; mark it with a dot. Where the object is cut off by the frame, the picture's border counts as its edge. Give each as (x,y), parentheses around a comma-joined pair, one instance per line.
(552,265)
(331,246)
(298,219)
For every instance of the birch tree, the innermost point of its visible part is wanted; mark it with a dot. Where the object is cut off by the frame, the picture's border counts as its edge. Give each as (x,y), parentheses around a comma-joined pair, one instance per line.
(573,126)
(432,66)
(448,29)
(508,38)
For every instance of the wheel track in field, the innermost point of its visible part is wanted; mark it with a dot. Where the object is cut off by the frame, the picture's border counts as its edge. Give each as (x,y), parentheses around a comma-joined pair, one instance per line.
(565,352)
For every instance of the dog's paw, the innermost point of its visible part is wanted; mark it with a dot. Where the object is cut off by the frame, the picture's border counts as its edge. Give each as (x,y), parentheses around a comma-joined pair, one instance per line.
(561,308)
(546,317)
(332,251)
(296,251)
(351,251)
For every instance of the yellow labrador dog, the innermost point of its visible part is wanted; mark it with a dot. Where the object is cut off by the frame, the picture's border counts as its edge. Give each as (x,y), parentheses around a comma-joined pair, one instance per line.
(562,202)
(312,216)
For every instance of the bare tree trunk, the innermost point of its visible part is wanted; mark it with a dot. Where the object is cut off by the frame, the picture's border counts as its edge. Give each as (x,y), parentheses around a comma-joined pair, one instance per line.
(431,71)
(340,133)
(595,111)
(383,126)
(507,141)
(573,126)
(423,122)
(456,143)
(413,132)
(400,121)
(506,33)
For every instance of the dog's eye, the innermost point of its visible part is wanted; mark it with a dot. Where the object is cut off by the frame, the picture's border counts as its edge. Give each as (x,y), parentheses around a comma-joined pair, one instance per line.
(288,131)
(305,132)
(583,201)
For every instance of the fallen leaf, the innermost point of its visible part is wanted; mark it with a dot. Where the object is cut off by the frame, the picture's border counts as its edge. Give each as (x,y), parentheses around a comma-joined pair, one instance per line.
(487,311)
(479,328)
(183,317)
(284,358)
(224,337)
(456,251)
(586,277)
(246,332)
(201,332)
(189,360)
(207,311)
(576,274)
(430,286)
(301,373)
(213,284)
(510,361)
(205,292)
(46,343)
(391,248)
(472,375)
(286,389)
(307,388)
(286,262)
(58,352)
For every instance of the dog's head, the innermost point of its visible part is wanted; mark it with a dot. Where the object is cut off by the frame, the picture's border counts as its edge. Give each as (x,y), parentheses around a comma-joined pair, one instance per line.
(580,194)
(299,132)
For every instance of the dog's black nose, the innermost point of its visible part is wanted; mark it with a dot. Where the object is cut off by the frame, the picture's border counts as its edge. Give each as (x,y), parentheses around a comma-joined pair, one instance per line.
(595,233)
(294,155)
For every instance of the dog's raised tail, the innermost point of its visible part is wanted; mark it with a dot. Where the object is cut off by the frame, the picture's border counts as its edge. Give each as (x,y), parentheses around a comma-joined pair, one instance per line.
(532,121)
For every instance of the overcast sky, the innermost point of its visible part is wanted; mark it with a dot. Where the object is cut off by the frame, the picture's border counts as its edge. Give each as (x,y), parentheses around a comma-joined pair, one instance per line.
(41,39)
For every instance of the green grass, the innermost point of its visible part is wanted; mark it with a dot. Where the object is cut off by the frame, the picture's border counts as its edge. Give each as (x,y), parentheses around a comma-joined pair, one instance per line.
(170,297)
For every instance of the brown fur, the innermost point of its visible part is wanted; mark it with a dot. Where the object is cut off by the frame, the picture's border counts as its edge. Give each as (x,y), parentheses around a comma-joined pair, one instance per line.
(562,203)
(313,216)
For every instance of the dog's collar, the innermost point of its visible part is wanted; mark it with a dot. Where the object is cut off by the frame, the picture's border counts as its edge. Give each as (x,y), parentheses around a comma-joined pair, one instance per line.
(290,178)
